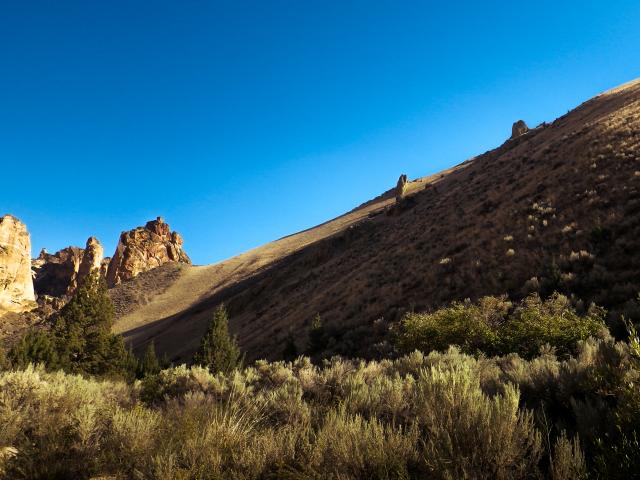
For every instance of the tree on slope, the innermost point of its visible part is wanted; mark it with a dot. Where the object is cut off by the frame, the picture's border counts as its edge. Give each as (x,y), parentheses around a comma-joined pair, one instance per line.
(82,333)
(218,350)
(149,365)
(37,347)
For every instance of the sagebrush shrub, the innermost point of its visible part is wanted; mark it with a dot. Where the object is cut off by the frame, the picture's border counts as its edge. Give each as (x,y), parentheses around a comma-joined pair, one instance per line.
(437,415)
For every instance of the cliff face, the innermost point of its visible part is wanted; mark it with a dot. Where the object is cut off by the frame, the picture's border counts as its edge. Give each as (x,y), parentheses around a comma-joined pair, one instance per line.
(144,248)
(16,285)
(59,274)
(55,274)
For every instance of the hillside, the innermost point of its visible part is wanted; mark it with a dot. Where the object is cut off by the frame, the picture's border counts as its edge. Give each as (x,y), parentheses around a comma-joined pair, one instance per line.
(557,208)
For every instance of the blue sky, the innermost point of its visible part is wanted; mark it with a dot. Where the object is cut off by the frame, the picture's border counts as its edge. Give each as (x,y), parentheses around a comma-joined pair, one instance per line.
(241,122)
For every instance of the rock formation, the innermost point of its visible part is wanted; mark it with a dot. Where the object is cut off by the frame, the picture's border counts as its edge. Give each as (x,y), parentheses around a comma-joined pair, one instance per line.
(144,248)
(401,187)
(16,285)
(59,274)
(55,274)
(519,128)
(91,260)
(104,266)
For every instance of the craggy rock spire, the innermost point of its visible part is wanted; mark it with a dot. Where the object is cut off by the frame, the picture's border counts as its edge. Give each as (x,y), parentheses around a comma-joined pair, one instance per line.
(91,260)
(519,128)
(16,285)
(144,248)
(401,187)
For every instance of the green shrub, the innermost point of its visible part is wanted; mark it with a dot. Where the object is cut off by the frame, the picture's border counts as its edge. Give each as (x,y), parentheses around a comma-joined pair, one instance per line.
(472,327)
(554,322)
(493,327)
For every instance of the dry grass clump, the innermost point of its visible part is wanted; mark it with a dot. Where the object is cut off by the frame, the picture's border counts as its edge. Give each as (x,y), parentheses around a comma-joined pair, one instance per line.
(441,415)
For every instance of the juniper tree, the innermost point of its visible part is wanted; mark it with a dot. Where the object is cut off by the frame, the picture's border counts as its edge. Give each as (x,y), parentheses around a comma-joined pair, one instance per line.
(37,347)
(218,350)
(290,351)
(149,365)
(318,339)
(82,332)
(4,362)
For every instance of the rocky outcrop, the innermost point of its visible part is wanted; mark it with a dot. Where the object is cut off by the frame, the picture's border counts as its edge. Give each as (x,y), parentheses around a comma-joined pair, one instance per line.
(519,128)
(16,285)
(104,266)
(144,248)
(55,274)
(91,259)
(401,187)
(60,274)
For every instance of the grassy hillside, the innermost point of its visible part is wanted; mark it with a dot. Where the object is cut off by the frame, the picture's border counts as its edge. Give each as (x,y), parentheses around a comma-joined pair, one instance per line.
(557,209)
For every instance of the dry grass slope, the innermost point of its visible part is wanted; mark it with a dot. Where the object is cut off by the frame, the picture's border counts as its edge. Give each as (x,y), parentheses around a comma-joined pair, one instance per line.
(557,208)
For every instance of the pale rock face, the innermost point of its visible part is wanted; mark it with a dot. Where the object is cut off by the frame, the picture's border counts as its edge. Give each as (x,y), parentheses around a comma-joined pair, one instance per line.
(91,260)
(60,274)
(144,248)
(519,128)
(401,187)
(16,284)
(104,266)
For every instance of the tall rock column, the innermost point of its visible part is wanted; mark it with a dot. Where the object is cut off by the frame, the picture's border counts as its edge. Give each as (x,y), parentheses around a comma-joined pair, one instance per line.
(16,284)
(91,260)
(401,188)
(518,128)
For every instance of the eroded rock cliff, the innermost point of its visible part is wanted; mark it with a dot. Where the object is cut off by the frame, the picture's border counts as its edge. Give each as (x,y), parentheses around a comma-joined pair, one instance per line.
(16,285)
(59,274)
(144,248)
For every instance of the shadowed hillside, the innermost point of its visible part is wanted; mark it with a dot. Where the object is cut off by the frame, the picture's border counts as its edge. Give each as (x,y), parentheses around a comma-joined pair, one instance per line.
(557,208)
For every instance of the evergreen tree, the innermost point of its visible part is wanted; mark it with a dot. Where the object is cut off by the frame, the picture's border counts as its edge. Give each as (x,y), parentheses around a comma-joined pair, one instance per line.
(4,361)
(218,351)
(318,339)
(290,351)
(122,361)
(36,346)
(165,362)
(149,365)
(82,332)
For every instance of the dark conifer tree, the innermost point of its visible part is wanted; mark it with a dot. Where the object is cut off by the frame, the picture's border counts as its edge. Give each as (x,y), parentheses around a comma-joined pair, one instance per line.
(82,332)
(218,351)
(149,365)
(37,347)
(318,339)
(290,351)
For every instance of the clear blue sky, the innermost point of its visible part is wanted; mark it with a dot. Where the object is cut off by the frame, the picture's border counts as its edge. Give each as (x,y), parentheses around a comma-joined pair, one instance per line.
(241,122)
